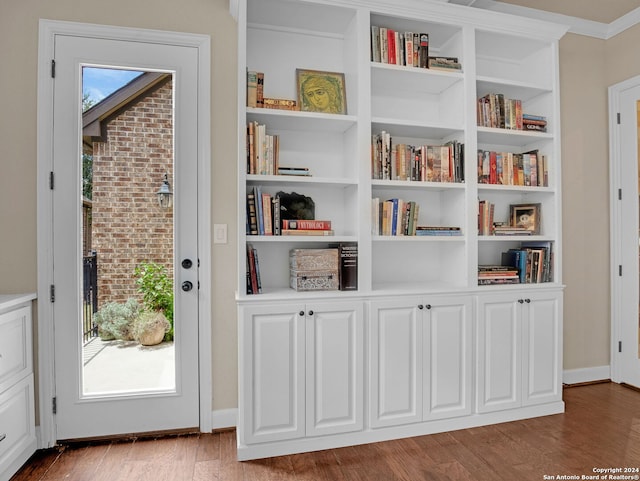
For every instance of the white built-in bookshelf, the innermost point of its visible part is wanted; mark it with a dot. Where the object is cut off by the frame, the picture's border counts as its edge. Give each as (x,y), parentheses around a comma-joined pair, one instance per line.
(498,54)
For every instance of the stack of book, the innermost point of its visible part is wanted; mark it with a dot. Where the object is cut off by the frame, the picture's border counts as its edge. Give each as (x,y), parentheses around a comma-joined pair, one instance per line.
(306,227)
(500,228)
(427,230)
(491,275)
(425,163)
(535,123)
(444,63)
(303,171)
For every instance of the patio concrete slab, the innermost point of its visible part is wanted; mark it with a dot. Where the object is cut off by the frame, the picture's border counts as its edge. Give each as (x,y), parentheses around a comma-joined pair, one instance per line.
(120,366)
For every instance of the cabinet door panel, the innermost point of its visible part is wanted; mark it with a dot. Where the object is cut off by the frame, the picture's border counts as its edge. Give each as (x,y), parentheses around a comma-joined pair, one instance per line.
(274,385)
(334,369)
(447,359)
(396,355)
(541,351)
(499,358)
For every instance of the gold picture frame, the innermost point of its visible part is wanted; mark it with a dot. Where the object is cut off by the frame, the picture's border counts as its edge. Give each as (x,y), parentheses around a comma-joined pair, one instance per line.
(525,215)
(320,91)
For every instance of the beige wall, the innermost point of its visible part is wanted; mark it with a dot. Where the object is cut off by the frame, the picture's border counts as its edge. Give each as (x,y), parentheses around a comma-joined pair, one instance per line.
(18,92)
(588,67)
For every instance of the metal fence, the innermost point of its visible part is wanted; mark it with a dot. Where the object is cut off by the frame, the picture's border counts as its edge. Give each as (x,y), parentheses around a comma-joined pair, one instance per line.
(89,296)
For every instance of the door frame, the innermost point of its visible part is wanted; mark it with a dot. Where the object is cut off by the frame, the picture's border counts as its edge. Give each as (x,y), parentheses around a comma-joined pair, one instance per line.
(615,224)
(48,29)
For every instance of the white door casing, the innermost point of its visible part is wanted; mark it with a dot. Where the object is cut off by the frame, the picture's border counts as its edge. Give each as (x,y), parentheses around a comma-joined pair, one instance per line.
(623,170)
(127,45)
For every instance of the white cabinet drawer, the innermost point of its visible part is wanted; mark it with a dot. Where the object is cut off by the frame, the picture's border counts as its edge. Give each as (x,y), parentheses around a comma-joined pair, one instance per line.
(15,346)
(17,431)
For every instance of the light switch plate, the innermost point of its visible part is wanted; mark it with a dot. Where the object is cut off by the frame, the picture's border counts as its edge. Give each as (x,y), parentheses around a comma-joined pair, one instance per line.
(219,233)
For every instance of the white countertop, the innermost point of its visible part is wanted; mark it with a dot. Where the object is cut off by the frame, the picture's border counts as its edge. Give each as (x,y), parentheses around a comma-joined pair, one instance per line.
(7,301)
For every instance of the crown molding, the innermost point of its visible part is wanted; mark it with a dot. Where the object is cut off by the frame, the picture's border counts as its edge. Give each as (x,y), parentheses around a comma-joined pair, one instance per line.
(621,24)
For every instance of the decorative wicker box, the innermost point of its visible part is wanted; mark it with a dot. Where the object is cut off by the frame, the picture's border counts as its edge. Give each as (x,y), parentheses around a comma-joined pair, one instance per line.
(314,269)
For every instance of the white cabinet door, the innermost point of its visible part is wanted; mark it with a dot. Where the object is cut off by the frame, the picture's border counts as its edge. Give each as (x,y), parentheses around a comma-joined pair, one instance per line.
(395,362)
(447,358)
(335,371)
(541,348)
(519,350)
(272,341)
(499,356)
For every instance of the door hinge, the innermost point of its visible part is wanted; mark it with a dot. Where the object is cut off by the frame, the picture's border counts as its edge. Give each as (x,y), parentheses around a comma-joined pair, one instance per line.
(620,270)
(52,293)
(53,69)
(619,194)
(618,117)
(619,346)
(54,405)
(51,180)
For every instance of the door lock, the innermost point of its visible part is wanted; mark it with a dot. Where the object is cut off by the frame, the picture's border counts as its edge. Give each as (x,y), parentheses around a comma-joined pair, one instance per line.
(187,286)
(187,263)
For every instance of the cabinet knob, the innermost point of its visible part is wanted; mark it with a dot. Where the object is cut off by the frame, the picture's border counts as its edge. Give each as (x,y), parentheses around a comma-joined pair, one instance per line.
(301,313)
(311,313)
(527,301)
(2,436)
(521,301)
(428,306)
(420,306)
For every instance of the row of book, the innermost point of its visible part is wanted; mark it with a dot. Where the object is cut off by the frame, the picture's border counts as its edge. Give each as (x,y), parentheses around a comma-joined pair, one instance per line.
(265,217)
(256,98)
(494,110)
(408,49)
(254,284)
(430,163)
(263,150)
(394,217)
(533,260)
(507,168)
(399,48)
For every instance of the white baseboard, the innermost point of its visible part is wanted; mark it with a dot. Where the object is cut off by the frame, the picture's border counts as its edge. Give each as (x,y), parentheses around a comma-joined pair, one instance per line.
(587,374)
(224,418)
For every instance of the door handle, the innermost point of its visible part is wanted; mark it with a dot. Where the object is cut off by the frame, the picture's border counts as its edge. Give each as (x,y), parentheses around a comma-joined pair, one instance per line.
(187,286)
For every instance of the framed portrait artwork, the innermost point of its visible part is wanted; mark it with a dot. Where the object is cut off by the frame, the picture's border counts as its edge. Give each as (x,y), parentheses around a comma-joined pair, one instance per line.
(320,91)
(527,216)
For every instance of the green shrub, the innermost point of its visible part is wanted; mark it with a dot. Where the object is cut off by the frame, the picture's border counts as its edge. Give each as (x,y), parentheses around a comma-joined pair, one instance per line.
(115,320)
(156,288)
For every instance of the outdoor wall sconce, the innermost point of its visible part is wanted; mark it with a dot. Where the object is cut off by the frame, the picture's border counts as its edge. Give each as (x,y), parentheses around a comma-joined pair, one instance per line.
(165,196)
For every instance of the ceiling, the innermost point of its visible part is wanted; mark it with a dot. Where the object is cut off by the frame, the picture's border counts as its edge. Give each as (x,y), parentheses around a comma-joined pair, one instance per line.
(597,18)
(604,11)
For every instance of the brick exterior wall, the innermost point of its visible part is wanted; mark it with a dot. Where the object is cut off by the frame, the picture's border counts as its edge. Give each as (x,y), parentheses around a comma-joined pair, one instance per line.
(129,226)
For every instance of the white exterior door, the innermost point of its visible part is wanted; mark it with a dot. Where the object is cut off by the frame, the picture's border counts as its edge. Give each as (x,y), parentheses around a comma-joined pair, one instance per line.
(335,369)
(81,415)
(625,244)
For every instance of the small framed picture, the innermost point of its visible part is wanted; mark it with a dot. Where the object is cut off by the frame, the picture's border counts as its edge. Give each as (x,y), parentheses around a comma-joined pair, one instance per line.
(321,91)
(527,216)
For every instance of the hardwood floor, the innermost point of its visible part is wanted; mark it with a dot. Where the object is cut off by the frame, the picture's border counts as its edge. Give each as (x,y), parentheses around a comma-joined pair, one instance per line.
(600,429)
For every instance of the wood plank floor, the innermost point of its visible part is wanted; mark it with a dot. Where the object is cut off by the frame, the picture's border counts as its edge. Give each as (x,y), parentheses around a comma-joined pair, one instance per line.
(600,429)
